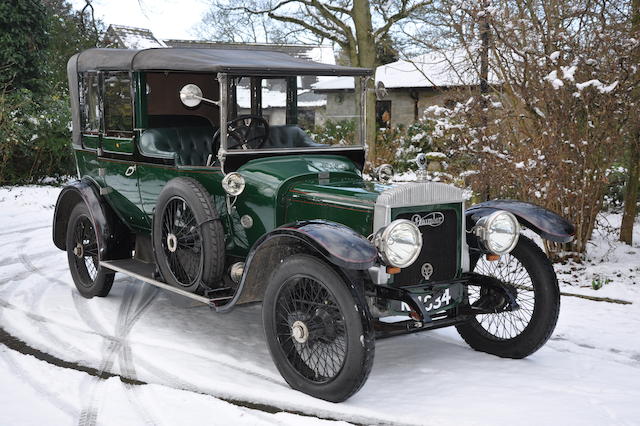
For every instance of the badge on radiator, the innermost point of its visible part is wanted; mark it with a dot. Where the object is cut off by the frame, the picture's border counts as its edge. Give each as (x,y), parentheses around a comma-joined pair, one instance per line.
(426,270)
(434,219)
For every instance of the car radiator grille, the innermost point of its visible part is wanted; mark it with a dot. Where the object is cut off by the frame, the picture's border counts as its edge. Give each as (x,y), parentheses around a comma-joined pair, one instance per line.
(439,258)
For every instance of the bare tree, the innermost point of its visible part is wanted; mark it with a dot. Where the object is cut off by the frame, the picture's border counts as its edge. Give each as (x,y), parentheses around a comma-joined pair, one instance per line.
(355,26)
(561,107)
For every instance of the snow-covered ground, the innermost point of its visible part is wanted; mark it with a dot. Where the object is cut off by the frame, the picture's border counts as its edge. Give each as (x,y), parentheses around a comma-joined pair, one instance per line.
(193,359)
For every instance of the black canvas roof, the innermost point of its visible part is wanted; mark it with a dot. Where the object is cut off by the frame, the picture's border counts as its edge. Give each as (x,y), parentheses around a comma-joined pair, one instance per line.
(234,61)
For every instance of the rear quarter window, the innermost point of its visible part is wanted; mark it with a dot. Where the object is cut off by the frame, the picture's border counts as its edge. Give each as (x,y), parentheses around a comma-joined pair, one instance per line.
(118,114)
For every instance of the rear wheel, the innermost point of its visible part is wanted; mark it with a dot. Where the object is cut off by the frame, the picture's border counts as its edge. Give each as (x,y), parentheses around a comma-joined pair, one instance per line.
(517,333)
(317,329)
(90,278)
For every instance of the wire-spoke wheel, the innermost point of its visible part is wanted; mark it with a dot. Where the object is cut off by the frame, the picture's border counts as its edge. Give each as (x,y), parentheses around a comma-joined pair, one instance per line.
(507,324)
(321,344)
(516,332)
(83,256)
(188,238)
(311,329)
(182,242)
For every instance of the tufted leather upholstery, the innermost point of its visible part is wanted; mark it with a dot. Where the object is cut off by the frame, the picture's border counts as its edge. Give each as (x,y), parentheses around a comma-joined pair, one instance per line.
(288,136)
(189,145)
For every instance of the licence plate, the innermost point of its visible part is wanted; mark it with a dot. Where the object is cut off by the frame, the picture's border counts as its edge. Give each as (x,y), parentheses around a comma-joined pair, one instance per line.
(437,299)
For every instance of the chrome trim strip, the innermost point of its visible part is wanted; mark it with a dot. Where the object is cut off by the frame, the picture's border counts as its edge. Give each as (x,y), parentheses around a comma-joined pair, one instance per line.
(365,203)
(465,262)
(116,268)
(413,194)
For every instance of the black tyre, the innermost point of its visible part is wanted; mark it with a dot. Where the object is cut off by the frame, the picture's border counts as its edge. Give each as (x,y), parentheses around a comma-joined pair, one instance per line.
(188,237)
(521,332)
(321,345)
(82,253)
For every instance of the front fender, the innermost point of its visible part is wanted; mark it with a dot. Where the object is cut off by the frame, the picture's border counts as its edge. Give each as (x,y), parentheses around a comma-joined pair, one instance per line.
(113,237)
(337,244)
(544,222)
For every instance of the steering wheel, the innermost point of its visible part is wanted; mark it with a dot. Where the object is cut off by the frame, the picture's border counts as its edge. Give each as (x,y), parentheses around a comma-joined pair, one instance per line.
(245,132)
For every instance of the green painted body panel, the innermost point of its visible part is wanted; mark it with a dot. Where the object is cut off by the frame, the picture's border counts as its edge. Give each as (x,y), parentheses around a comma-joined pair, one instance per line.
(272,184)
(278,190)
(91,141)
(117,145)
(347,200)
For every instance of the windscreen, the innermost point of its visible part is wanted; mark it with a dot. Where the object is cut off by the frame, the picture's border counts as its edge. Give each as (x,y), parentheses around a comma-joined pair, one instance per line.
(293,112)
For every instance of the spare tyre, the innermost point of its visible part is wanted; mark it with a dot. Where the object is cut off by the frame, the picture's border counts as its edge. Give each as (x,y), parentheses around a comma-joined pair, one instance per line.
(188,237)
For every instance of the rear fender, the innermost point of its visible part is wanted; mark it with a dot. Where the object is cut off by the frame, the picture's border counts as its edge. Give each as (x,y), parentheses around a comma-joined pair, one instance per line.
(544,222)
(348,251)
(114,240)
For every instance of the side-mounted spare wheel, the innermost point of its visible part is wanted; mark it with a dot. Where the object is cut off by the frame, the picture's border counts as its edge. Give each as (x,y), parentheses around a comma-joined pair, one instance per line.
(188,237)
(82,252)
(317,328)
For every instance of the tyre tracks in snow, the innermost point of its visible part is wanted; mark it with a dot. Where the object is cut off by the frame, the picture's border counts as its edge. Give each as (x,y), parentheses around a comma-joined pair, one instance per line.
(116,347)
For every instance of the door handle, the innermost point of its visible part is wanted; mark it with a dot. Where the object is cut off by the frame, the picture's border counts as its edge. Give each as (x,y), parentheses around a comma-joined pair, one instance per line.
(131,170)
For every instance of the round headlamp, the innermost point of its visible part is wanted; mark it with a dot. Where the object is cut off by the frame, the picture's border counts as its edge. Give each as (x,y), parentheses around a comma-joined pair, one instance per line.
(498,232)
(399,243)
(233,184)
(384,173)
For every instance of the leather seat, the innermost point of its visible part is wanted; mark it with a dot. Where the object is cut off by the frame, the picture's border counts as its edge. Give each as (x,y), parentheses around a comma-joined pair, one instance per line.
(188,145)
(289,136)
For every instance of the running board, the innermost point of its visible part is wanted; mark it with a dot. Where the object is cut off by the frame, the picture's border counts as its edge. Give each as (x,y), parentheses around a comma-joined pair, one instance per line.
(144,272)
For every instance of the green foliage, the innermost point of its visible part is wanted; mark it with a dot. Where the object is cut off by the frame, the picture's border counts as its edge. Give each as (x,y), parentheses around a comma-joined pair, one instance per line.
(35,120)
(23,40)
(68,34)
(336,133)
(34,138)
(598,282)
(386,51)
(399,146)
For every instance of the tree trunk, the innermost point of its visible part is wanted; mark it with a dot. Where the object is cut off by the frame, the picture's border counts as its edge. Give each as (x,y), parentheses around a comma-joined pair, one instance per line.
(633,176)
(367,59)
(484,85)
(631,192)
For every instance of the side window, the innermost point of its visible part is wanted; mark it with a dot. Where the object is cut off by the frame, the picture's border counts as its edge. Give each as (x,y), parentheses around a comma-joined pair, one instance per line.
(90,103)
(118,110)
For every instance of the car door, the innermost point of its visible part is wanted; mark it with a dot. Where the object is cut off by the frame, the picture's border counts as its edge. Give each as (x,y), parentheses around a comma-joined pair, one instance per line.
(117,149)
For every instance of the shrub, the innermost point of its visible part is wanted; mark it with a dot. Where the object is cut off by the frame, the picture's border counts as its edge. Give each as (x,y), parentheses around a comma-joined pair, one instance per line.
(34,138)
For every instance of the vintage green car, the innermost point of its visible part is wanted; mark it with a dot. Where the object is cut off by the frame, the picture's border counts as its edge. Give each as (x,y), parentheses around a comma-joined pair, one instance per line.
(200,172)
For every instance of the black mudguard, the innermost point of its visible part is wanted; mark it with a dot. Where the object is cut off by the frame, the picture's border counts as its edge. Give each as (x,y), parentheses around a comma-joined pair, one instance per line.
(336,243)
(114,241)
(547,224)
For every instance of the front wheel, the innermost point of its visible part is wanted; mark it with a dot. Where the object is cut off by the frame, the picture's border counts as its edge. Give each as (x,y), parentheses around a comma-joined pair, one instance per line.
(317,328)
(520,332)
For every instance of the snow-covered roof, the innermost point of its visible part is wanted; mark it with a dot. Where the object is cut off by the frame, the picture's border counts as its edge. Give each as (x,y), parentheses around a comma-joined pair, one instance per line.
(278,99)
(125,37)
(448,68)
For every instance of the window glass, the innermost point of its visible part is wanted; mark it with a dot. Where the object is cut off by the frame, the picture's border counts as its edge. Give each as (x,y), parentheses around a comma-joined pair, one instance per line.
(117,102)
(383,114)
(325,117)
(90,103)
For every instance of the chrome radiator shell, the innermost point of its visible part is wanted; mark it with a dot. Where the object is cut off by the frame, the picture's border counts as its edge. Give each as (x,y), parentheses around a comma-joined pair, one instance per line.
(420,194)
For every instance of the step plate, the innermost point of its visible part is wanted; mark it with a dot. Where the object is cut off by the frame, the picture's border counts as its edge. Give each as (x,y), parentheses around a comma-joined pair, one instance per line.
(144,272)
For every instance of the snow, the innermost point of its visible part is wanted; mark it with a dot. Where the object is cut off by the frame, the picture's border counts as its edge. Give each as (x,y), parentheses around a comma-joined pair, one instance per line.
(552,78)
(274,99)
(598,85)
(587,374)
